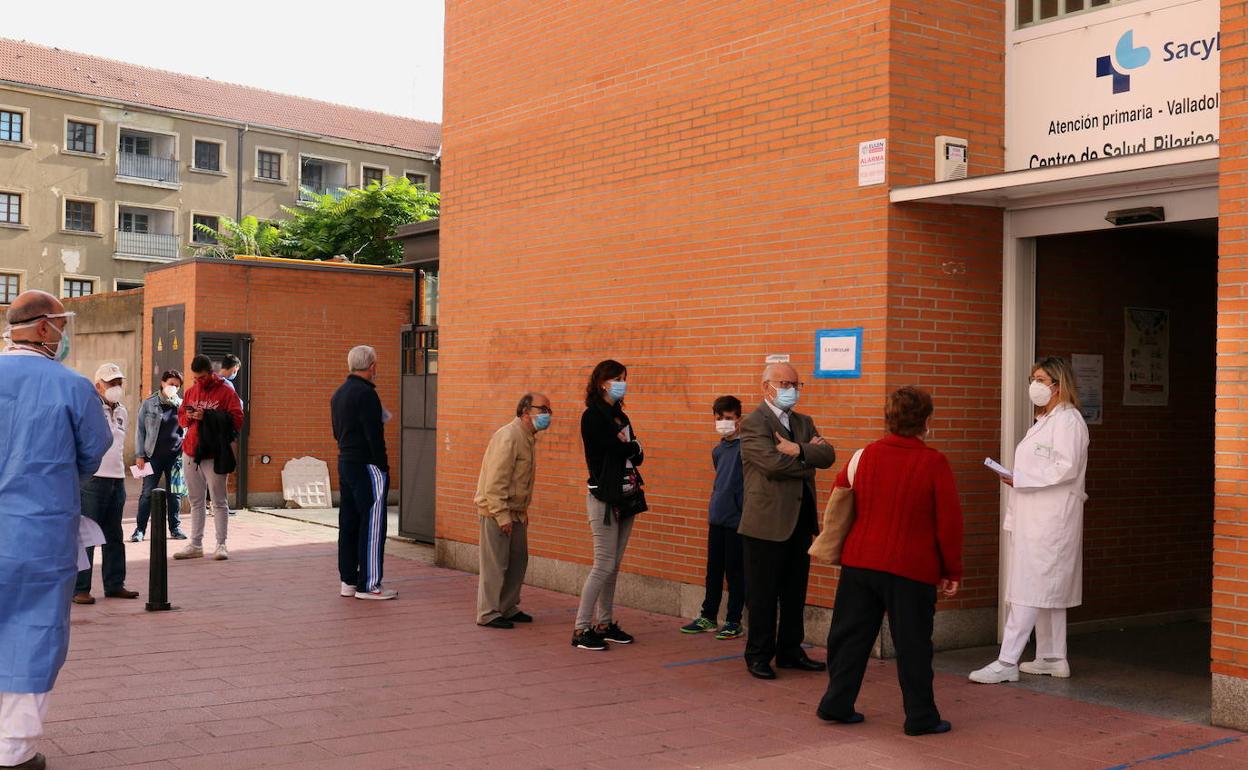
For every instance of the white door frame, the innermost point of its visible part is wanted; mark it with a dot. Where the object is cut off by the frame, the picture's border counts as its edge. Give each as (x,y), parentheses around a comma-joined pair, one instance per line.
(1022,226)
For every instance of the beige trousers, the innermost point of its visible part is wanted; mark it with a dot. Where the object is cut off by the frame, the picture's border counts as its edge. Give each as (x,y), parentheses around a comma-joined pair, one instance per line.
(504,560)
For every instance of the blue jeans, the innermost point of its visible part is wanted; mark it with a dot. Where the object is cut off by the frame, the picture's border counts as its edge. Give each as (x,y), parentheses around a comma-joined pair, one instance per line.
(160,469)
(103,501)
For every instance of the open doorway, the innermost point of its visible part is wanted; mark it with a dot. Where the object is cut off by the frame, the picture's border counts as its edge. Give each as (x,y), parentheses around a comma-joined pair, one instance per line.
(1141,639)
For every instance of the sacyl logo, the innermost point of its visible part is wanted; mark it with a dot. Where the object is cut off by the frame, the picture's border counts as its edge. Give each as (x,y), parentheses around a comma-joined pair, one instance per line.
(1128,56)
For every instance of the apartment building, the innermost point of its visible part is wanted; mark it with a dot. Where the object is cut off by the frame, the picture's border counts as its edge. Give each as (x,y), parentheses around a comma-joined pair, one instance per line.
(106,167)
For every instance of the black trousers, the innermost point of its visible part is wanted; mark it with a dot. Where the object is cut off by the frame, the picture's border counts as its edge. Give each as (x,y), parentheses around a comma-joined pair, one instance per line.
(724,558)
(862,598)
(775,578)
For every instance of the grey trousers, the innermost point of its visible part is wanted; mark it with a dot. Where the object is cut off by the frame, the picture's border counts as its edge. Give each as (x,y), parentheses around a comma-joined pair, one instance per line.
(610,540)
(202,481)
(504,560)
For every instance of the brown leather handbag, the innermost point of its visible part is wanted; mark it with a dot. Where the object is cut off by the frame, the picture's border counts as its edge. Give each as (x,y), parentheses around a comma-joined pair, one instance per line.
(838,518)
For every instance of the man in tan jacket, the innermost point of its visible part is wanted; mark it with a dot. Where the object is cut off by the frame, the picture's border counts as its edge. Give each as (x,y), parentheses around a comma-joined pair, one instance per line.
(503,493)
(780,451)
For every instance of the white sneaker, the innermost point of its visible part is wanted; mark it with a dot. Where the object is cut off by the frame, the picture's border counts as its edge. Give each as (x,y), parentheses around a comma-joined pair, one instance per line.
(190,552)
(347,590)
(380,593)
(1041,667)
(995,673)
(222,553)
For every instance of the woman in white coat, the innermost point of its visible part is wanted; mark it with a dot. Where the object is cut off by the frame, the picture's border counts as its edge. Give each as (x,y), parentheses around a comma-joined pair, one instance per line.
(1045,519)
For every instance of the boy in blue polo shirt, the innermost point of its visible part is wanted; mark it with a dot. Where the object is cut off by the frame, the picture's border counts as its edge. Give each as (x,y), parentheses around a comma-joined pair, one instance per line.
(723,547)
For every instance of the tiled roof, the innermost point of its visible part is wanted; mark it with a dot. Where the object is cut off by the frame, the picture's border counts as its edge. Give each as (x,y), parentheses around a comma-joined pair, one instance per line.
(44,67)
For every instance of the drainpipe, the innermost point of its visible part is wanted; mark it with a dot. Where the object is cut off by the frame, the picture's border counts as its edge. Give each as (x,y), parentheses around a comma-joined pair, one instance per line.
(238,180)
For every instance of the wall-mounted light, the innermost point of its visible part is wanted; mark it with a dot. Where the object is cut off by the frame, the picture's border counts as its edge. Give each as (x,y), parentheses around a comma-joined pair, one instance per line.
(265,459)
(1139,216)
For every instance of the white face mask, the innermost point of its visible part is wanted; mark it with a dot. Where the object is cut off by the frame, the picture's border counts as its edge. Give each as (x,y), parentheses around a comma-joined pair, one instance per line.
(170,391)
(725,427)
(113,395)
(1040,394)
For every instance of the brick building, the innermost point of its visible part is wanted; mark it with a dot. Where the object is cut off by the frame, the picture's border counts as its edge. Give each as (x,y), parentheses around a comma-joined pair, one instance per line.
(710,184)
(291,322)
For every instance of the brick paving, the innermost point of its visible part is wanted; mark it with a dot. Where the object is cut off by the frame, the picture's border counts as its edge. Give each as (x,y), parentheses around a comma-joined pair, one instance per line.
(264,665)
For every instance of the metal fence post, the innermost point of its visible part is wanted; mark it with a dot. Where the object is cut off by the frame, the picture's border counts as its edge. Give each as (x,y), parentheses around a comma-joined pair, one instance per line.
(158,566)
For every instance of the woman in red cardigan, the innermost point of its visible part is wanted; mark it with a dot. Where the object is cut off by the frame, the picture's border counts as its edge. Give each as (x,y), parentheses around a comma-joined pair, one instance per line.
(905,543)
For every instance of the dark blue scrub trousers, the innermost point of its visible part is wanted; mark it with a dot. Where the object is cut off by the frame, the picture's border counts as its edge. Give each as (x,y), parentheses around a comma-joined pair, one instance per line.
(361,524)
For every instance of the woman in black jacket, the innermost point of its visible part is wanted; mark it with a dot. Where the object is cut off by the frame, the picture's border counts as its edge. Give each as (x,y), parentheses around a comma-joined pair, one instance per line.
(612,455)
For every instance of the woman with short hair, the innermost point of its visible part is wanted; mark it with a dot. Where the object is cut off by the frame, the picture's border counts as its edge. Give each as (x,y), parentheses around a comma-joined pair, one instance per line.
(1045,519)
(905,542)
(612,455)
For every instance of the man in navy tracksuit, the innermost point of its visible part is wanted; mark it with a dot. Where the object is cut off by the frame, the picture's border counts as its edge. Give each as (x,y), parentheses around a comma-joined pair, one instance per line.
(363,477)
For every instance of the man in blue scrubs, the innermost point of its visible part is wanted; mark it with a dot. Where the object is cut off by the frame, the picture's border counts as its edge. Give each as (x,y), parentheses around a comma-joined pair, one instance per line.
(52,435)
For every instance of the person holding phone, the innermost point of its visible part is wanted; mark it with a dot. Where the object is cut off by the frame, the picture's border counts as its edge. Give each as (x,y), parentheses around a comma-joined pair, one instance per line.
(1045,520)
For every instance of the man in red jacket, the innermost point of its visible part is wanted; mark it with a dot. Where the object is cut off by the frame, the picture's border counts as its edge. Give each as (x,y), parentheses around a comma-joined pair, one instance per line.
(208,403)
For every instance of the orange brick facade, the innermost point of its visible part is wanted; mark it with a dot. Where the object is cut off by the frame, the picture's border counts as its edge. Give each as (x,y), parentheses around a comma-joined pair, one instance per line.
(303,320)
(674,185)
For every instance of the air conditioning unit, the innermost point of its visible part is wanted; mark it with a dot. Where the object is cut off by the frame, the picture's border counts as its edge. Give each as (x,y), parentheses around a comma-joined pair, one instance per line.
(951,158)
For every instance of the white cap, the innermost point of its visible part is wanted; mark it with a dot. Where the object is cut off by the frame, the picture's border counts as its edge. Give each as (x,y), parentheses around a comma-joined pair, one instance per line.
(108,373)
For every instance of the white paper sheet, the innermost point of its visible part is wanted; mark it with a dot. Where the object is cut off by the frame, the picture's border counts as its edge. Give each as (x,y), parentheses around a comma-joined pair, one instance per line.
(89,533)
(139,473)
(998,468)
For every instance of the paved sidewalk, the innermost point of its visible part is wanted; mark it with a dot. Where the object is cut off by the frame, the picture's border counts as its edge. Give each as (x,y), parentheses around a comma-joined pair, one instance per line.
(264,665)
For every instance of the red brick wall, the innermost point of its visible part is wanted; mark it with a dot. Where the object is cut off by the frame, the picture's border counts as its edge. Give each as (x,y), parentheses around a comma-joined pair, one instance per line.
(303,321)
(1230,534)
(946,76)
(1149,516)
(674,184)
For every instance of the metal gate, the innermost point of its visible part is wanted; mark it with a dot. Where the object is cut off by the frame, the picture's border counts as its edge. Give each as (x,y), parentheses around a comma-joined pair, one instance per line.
(168,342)
(215,345)
(419,408)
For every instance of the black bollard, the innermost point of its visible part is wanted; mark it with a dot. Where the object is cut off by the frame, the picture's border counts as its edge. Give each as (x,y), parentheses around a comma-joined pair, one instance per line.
(158,572)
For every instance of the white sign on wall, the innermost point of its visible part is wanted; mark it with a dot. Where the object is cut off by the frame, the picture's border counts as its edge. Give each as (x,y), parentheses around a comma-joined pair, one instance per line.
(871,157)
(1114,85)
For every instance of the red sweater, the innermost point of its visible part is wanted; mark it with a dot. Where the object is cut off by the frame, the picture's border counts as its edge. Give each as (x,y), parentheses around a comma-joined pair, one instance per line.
(209,392)
(907,520)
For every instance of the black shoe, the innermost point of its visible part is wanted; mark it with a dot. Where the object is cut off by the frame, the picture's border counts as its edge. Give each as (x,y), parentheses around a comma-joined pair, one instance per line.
(37,762)
(499,622)
(588,640)
(616,635)
(177,534)
(137,537)
(803,663)
(233,513)
(942,726)
(760,670)
(521,617)
(853,718)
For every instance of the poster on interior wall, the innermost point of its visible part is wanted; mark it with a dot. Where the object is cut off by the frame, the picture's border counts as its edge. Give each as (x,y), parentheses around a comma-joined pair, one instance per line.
(1090,376)
(1146,357)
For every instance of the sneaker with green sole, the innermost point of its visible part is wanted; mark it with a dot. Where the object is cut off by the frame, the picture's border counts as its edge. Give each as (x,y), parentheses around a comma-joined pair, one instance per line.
(699,626)
(730,631)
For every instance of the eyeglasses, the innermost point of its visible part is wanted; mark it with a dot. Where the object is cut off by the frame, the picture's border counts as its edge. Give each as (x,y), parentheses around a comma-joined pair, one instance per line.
(1041,380)
(786,384)
(542,409)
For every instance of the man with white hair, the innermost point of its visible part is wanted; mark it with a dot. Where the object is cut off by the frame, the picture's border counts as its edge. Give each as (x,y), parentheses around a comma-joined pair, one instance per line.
(363,477)
(780,452)
(52,436)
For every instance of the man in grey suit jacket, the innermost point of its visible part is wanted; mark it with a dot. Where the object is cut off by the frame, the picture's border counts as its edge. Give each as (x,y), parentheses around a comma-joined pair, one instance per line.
(780,452)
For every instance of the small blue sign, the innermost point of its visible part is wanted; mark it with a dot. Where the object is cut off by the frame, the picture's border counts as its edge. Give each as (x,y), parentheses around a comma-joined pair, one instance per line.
(838,353)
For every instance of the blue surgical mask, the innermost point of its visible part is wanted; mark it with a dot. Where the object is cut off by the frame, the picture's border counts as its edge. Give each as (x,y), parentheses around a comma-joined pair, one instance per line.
(541,421)
(617,390)
(232,375)
(786,398)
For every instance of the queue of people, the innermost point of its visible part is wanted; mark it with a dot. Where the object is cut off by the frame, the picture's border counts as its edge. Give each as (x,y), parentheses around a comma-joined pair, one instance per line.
(901,553)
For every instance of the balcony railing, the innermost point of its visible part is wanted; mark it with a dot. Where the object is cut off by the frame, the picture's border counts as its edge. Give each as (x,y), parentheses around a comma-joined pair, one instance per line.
(305,191)
(147,244)
(137,166)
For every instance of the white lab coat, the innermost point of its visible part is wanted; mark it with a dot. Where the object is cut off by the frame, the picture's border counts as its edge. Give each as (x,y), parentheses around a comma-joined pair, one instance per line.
(1045,512)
